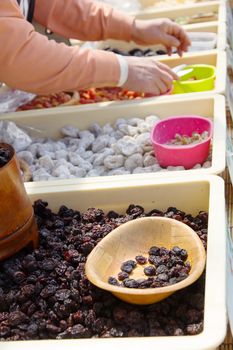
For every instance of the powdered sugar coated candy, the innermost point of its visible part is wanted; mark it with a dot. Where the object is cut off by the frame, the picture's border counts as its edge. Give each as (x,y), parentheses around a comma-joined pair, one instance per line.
(113,162)
(133,161)
(69,130)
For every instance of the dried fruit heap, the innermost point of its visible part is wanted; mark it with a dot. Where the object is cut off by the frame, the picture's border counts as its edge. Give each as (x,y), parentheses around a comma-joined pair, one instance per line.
(92,95)
(167,267)
(46,101)
(45,294)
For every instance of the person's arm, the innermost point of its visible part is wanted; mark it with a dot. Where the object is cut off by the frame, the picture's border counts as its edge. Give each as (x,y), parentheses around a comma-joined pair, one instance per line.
(83,19)
(30,62)
(92,20)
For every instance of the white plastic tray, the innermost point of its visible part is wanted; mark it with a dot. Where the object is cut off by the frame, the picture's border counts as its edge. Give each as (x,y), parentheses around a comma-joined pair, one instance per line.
(51,121)
(197,193)
(183,10)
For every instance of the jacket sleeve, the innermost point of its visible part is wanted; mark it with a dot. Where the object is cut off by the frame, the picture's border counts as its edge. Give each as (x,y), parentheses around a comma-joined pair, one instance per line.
(30,62)
(83,19)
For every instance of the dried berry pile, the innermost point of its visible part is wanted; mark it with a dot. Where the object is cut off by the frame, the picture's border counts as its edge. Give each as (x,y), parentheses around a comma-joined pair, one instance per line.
(92,95)
(44,294)
(46,101)
(167,267)
(137,52)
(5,156)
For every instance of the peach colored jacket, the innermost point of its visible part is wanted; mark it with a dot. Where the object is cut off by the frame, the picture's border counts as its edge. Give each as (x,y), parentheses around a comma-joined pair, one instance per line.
(31,62)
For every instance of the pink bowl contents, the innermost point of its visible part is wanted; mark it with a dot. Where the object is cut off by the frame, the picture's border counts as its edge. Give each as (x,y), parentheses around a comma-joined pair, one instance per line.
(183,155)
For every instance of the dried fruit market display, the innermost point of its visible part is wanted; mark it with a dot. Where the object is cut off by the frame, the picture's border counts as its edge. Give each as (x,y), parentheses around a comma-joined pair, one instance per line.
(44,294)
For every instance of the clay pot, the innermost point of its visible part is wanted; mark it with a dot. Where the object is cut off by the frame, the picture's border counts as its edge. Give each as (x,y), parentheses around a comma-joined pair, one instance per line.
(17,223)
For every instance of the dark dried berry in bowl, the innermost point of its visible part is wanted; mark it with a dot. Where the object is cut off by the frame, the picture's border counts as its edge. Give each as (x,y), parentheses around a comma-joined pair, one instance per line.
(141,260)
(113,281)
(155,260)
(162,277)
(183,254)
(128,266)
(161,269)
(154,251)
(122,275)
(176,250)
(130,283)
(147,283)
(150,271)
(164,251)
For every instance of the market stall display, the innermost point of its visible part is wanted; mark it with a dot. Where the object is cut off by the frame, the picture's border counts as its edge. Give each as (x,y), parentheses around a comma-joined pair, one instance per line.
(95,149)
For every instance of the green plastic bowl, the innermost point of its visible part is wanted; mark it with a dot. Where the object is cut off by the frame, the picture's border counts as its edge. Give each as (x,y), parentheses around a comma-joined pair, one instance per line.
(205,77)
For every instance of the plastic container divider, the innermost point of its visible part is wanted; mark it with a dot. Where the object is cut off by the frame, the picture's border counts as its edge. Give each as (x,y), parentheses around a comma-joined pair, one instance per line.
(52,120)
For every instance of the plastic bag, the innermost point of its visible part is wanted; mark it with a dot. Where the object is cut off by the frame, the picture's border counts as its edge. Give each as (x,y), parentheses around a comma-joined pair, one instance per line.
(11,134)
(11,99)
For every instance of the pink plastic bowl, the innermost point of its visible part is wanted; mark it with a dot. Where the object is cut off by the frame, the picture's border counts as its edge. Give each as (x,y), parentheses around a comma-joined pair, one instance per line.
(188,155)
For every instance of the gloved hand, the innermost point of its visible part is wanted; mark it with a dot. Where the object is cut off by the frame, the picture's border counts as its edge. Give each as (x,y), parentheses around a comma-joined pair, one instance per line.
(161,31)
(146,74)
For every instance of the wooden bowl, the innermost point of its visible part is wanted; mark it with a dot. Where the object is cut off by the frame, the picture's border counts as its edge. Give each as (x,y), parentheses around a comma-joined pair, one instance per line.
(135,238)
(17,222)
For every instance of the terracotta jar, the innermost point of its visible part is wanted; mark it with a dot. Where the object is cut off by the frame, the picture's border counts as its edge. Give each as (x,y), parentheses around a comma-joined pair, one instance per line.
(17,223)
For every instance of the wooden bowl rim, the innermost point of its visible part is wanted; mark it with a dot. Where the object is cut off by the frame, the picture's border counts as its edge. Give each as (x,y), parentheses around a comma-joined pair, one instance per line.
(192,277)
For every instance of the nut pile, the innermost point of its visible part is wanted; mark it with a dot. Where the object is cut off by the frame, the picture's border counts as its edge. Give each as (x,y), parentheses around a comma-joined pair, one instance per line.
(167,267)
(44,294)
(5,156)
(119,149)
(195,138)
